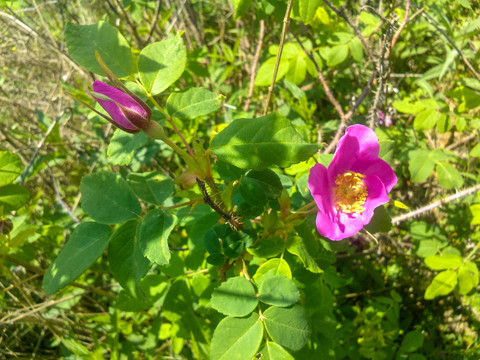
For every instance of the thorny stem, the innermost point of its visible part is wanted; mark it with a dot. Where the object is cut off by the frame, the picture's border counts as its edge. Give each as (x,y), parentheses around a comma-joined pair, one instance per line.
(286,21)
(229,218)
(328,92)
(435,204)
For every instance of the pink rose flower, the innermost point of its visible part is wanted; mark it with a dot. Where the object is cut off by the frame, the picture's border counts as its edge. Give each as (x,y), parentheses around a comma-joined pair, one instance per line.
(127,111)
(355,183)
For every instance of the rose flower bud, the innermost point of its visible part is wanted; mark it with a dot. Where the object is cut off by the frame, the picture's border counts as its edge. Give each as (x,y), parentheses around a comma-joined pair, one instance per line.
(127,111)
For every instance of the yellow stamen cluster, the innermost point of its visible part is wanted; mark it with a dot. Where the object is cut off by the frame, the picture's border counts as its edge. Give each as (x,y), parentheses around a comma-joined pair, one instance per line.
(350,193)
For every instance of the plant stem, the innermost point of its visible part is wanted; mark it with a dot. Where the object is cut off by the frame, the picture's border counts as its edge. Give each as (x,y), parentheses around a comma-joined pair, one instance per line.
(189,149)
(188,159)
(286,21)
(436,204)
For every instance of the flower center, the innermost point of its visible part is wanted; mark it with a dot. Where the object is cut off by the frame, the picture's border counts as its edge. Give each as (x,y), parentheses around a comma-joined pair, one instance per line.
(350,193)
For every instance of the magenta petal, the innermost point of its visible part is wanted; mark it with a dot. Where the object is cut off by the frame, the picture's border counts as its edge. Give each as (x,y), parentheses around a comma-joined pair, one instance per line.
(119,96)
(330,223)
(320,188)
(377,195)
(379,168)
(366,139)
(345,225)
(359,142)
(111,108)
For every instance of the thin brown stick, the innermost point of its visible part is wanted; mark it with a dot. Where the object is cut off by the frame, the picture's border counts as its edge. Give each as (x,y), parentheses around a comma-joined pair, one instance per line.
(255,64)
(37,149)
(328,92)
(42,20)
(344,118)
(62,203)
(154,22)
(435,204)
(286,21)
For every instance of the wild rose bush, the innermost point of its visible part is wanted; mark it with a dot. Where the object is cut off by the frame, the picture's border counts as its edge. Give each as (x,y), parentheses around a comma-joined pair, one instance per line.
(264,194)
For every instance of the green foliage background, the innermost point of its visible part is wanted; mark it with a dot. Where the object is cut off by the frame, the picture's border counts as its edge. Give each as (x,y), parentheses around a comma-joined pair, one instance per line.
(412,295)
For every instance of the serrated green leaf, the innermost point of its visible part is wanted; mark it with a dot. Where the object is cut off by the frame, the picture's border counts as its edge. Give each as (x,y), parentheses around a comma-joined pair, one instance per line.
(467,277)
(236,338)
(334,55)
(152,288)
(236,242)
(152,235)
(270,268)
(287,326)
(127,262)
(123,145)
(261,142)
(408,107)
(426,119)
(297,69)
(442,262)
(297,247)
(448,176)
(475,152)
(429,247)
(160,64)
(421,166)
(240,6)
(412,341)
(475,209)
(193,103)
(84,247)
(269,181)
(273,351)
(108,199)
(13,196)
(152,187)
(468,98)
(356,48)
(10,167)
(307,9)
(442,284)
(265,73)
(278,290)
(235,297)
(266,248)
(83,40)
